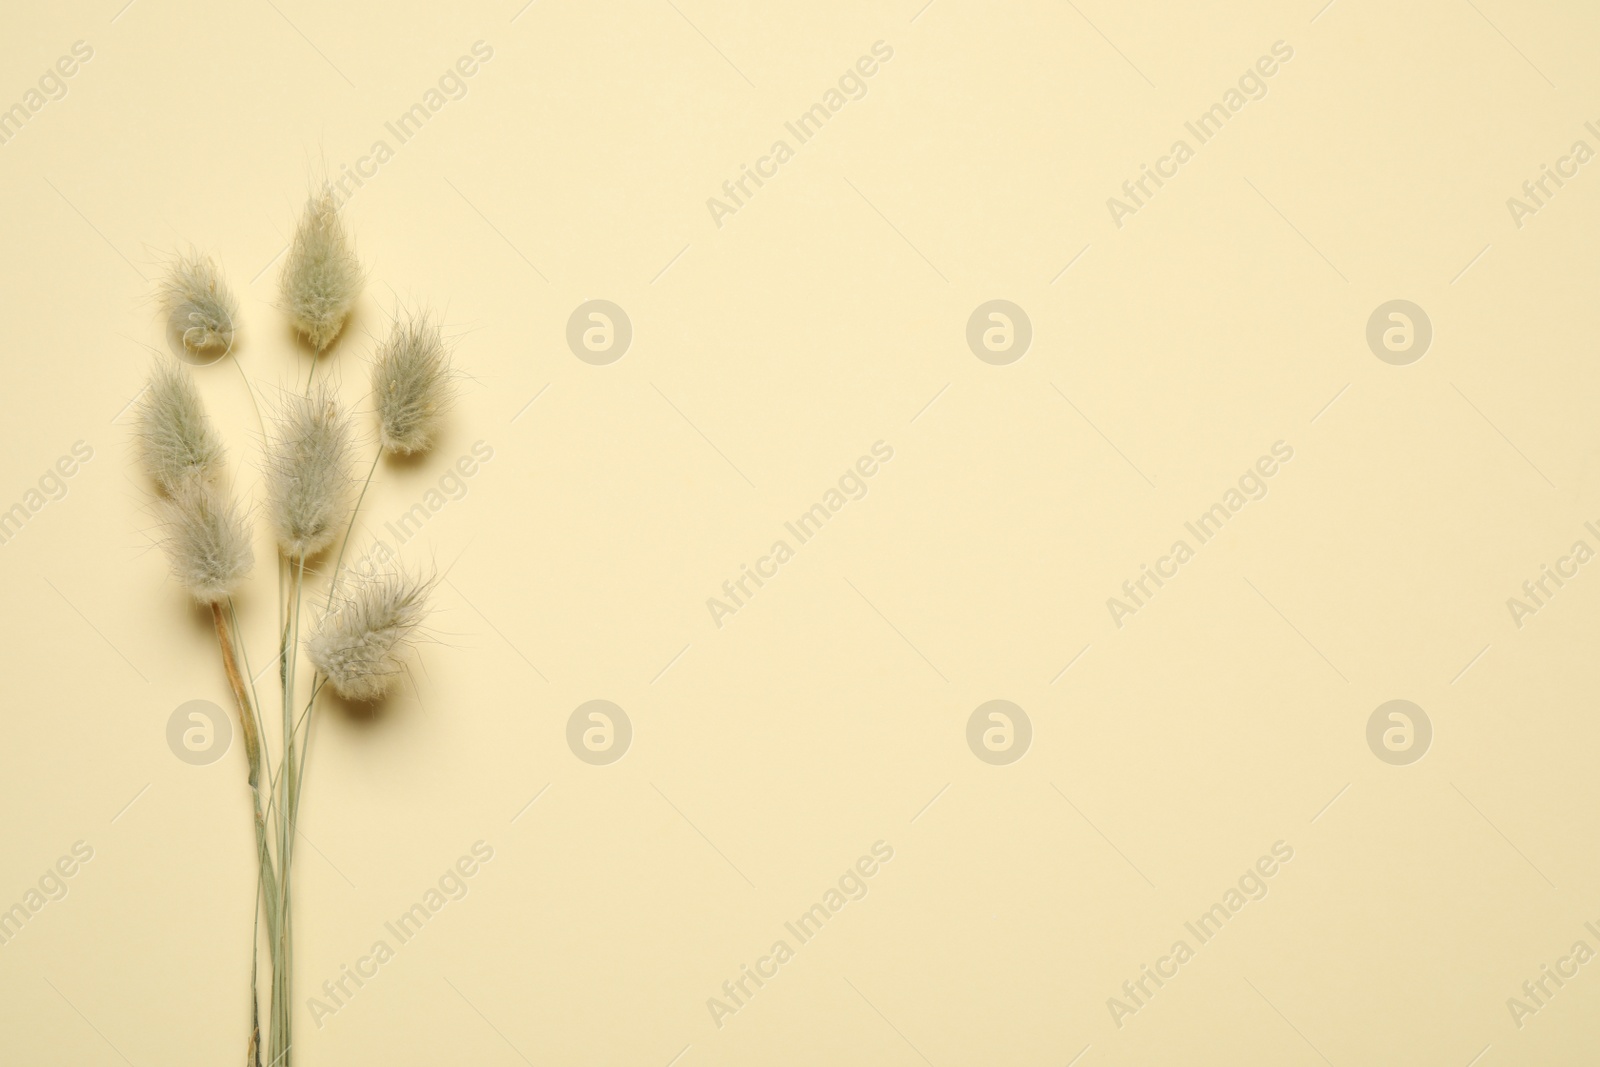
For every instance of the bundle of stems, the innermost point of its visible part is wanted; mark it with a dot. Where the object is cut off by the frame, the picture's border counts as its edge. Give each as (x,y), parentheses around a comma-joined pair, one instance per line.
(363,627)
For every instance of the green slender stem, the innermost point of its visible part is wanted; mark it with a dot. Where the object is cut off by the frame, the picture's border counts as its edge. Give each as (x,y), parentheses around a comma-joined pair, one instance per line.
(226,626)
(282,1007)
(318,681)
(338,562)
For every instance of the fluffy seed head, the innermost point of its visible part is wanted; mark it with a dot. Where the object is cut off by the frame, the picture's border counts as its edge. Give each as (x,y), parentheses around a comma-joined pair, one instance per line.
(176,442)
(321,277)
(208,540)
(360,644)
(198,303)
(411,384)
(308,472)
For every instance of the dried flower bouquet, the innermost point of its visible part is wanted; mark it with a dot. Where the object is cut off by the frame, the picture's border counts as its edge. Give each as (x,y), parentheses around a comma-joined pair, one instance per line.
(364,627)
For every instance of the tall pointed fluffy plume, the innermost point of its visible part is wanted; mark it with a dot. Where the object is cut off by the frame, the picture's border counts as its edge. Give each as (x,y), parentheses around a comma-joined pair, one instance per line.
(198,303)
(411,384)
(360,644)
(322,277)
(176,443)
(308,472)
(208,540)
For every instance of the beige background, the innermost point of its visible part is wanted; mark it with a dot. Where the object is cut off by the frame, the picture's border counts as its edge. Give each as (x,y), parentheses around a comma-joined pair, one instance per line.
(831,712)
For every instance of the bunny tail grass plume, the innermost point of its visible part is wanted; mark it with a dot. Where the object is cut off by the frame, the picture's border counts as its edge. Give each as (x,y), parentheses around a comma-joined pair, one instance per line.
(308,472)
(198,303)
(321,277)
(176,442)
(411,384)
(359,645)
(209,541)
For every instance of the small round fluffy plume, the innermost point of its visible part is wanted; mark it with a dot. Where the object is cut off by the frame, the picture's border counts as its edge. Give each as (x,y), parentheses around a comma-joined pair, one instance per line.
(308,472)
(198,303)
(208,543)
(321,277)
(359,645)
(411,384)
(176,442)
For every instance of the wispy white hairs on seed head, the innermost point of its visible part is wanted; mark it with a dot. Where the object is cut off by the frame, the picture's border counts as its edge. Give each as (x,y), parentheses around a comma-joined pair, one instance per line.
(411,384)
(308,472)
(176,442)
(198,304)
(360,645)
(208,540)
(322,277)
